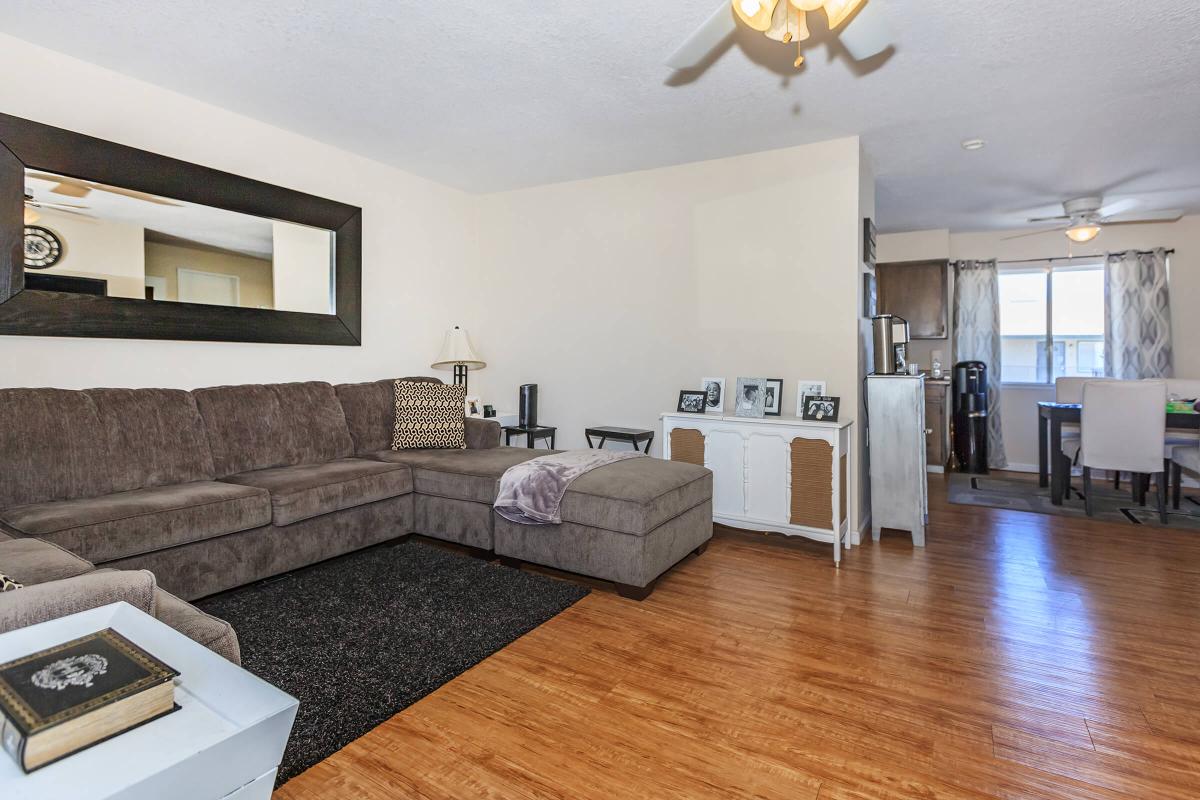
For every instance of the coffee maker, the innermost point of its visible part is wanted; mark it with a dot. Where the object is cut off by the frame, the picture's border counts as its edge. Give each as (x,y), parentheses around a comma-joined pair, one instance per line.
(890,336)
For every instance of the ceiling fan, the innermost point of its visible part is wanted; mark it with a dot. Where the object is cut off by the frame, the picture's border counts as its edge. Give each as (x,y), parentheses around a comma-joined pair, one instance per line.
(32,205)
(1083,217)
(73,187)
(863,32)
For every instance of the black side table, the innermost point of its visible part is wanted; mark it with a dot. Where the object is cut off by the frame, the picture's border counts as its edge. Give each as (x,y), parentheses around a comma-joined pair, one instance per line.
(631,435)
(531,434)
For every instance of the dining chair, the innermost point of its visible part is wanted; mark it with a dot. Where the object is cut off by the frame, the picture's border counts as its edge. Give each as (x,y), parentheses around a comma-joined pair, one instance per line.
(1185,456)
(1123,425)
(1070,390)
(1181,389)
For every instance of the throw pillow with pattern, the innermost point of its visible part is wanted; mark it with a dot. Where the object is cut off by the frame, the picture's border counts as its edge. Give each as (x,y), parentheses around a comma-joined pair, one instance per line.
(429,416)
(7,583)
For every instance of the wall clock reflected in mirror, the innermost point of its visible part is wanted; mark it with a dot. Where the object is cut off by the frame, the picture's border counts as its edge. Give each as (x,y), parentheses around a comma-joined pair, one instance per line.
(43,248)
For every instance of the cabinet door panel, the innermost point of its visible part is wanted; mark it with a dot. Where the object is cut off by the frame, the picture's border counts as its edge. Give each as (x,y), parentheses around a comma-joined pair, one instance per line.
(724,454)
(917,291)
(767,466)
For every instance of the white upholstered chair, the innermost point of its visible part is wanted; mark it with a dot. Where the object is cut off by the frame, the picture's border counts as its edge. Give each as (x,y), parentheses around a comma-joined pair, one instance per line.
(1123,428)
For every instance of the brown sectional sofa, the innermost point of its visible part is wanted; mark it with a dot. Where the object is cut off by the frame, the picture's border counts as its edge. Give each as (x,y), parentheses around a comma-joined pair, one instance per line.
(219,487)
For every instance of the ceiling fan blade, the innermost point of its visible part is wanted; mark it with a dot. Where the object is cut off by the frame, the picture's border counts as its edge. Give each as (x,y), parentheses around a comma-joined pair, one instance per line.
(1118,207)
(1161,215)
(1059,218)
(867,34)
(704,39)
(73,187)
(1034,233)
(136,195)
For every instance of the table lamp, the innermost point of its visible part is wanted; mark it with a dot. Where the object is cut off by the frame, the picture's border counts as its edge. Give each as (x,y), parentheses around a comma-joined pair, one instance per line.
(457,354)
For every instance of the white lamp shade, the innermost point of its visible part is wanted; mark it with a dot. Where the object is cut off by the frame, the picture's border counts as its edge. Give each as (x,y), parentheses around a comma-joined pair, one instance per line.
(457,349)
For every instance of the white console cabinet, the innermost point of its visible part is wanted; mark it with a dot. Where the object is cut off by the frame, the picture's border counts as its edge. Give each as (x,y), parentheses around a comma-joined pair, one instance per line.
(778,474)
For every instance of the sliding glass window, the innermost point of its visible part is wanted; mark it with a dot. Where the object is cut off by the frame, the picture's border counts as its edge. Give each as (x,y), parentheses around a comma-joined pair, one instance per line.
(1051,321)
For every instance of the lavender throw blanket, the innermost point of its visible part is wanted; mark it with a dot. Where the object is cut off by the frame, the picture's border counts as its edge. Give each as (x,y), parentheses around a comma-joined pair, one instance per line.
(531,492)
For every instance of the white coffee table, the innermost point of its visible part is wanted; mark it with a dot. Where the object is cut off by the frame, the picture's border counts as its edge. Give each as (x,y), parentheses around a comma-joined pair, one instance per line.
(226,741)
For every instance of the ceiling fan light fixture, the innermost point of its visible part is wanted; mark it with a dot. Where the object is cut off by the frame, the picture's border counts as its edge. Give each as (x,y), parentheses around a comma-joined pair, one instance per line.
(1083,232)
(756,14)
(839,11)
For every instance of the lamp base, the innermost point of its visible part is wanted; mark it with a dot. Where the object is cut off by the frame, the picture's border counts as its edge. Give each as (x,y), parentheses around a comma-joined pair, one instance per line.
(460,375)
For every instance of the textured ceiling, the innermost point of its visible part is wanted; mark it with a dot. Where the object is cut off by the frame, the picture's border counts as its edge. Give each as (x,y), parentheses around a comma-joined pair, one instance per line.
(1073,97)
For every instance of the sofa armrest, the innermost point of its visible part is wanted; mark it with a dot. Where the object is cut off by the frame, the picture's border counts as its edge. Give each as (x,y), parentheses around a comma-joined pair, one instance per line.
(53,599)
(482,434)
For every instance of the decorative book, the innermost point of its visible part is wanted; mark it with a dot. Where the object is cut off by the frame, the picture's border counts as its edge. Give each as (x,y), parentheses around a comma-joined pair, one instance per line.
(66,698)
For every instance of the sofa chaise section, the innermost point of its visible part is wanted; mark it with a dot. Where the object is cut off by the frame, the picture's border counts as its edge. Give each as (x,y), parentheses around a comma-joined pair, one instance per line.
(627,522)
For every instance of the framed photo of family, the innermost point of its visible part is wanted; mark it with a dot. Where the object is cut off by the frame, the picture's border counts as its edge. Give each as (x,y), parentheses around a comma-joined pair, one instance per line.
(691,401)
(819,408)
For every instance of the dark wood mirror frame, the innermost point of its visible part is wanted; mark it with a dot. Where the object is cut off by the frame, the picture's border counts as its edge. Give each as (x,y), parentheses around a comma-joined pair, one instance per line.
(30,312)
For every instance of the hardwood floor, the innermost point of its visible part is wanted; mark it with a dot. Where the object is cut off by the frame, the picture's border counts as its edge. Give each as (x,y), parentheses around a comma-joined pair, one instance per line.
(1017,656)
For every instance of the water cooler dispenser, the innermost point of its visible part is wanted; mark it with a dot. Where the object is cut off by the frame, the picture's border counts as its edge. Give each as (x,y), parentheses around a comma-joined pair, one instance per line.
(970,399)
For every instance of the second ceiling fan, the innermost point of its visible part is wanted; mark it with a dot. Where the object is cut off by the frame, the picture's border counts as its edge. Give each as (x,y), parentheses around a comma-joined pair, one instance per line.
(863,32)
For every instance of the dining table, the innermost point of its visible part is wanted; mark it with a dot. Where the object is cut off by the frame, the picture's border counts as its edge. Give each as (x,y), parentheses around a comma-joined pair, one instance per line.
(1053,472)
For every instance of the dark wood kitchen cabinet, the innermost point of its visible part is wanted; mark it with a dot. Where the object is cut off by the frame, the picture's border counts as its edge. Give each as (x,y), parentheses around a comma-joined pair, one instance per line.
(916,291)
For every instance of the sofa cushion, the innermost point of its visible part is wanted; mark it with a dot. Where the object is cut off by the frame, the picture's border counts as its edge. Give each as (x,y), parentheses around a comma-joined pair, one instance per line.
(50,446)
(130,523)
(215,634)
(310,490)
(263,426)
(429,416)
(32,561)
(152,437)
(635,496)
(459,474)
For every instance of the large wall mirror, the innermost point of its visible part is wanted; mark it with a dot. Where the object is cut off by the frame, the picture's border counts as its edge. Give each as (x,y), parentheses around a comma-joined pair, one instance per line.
(106,240)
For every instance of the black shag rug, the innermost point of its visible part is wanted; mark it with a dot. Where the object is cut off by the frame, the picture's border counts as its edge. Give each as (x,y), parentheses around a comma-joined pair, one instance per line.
(360,637)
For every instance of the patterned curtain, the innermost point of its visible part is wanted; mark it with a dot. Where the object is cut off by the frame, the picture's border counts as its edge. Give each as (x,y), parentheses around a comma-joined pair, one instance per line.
(977,338)
(1137,313)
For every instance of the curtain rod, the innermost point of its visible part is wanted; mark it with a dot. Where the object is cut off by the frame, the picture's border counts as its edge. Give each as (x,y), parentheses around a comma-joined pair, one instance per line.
(1169,252)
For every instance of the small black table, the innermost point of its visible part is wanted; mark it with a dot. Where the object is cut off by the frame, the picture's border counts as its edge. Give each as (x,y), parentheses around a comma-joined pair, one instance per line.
(532,434)
(631,435)
(1051,417)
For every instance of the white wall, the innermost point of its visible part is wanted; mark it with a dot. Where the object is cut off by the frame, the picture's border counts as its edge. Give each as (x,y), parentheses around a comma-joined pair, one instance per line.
(301,268)
(614,293)
(1018,403)
(417,247)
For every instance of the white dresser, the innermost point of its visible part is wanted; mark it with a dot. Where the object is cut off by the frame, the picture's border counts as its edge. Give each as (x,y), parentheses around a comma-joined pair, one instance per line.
(778,474)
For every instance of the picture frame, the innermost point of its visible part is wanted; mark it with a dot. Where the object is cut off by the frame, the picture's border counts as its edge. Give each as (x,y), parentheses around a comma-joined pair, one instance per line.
(807,387)
(750,398)
(714,389)
(821,408)
(869,242)
(473,406)
(773,400)
(870,295)
(691,401)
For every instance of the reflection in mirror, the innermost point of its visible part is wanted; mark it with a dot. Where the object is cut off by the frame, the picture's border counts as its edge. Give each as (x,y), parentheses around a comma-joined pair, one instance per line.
(86,237)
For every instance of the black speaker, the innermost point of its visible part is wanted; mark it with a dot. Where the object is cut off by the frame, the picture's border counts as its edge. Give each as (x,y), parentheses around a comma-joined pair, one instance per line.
(527,416)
